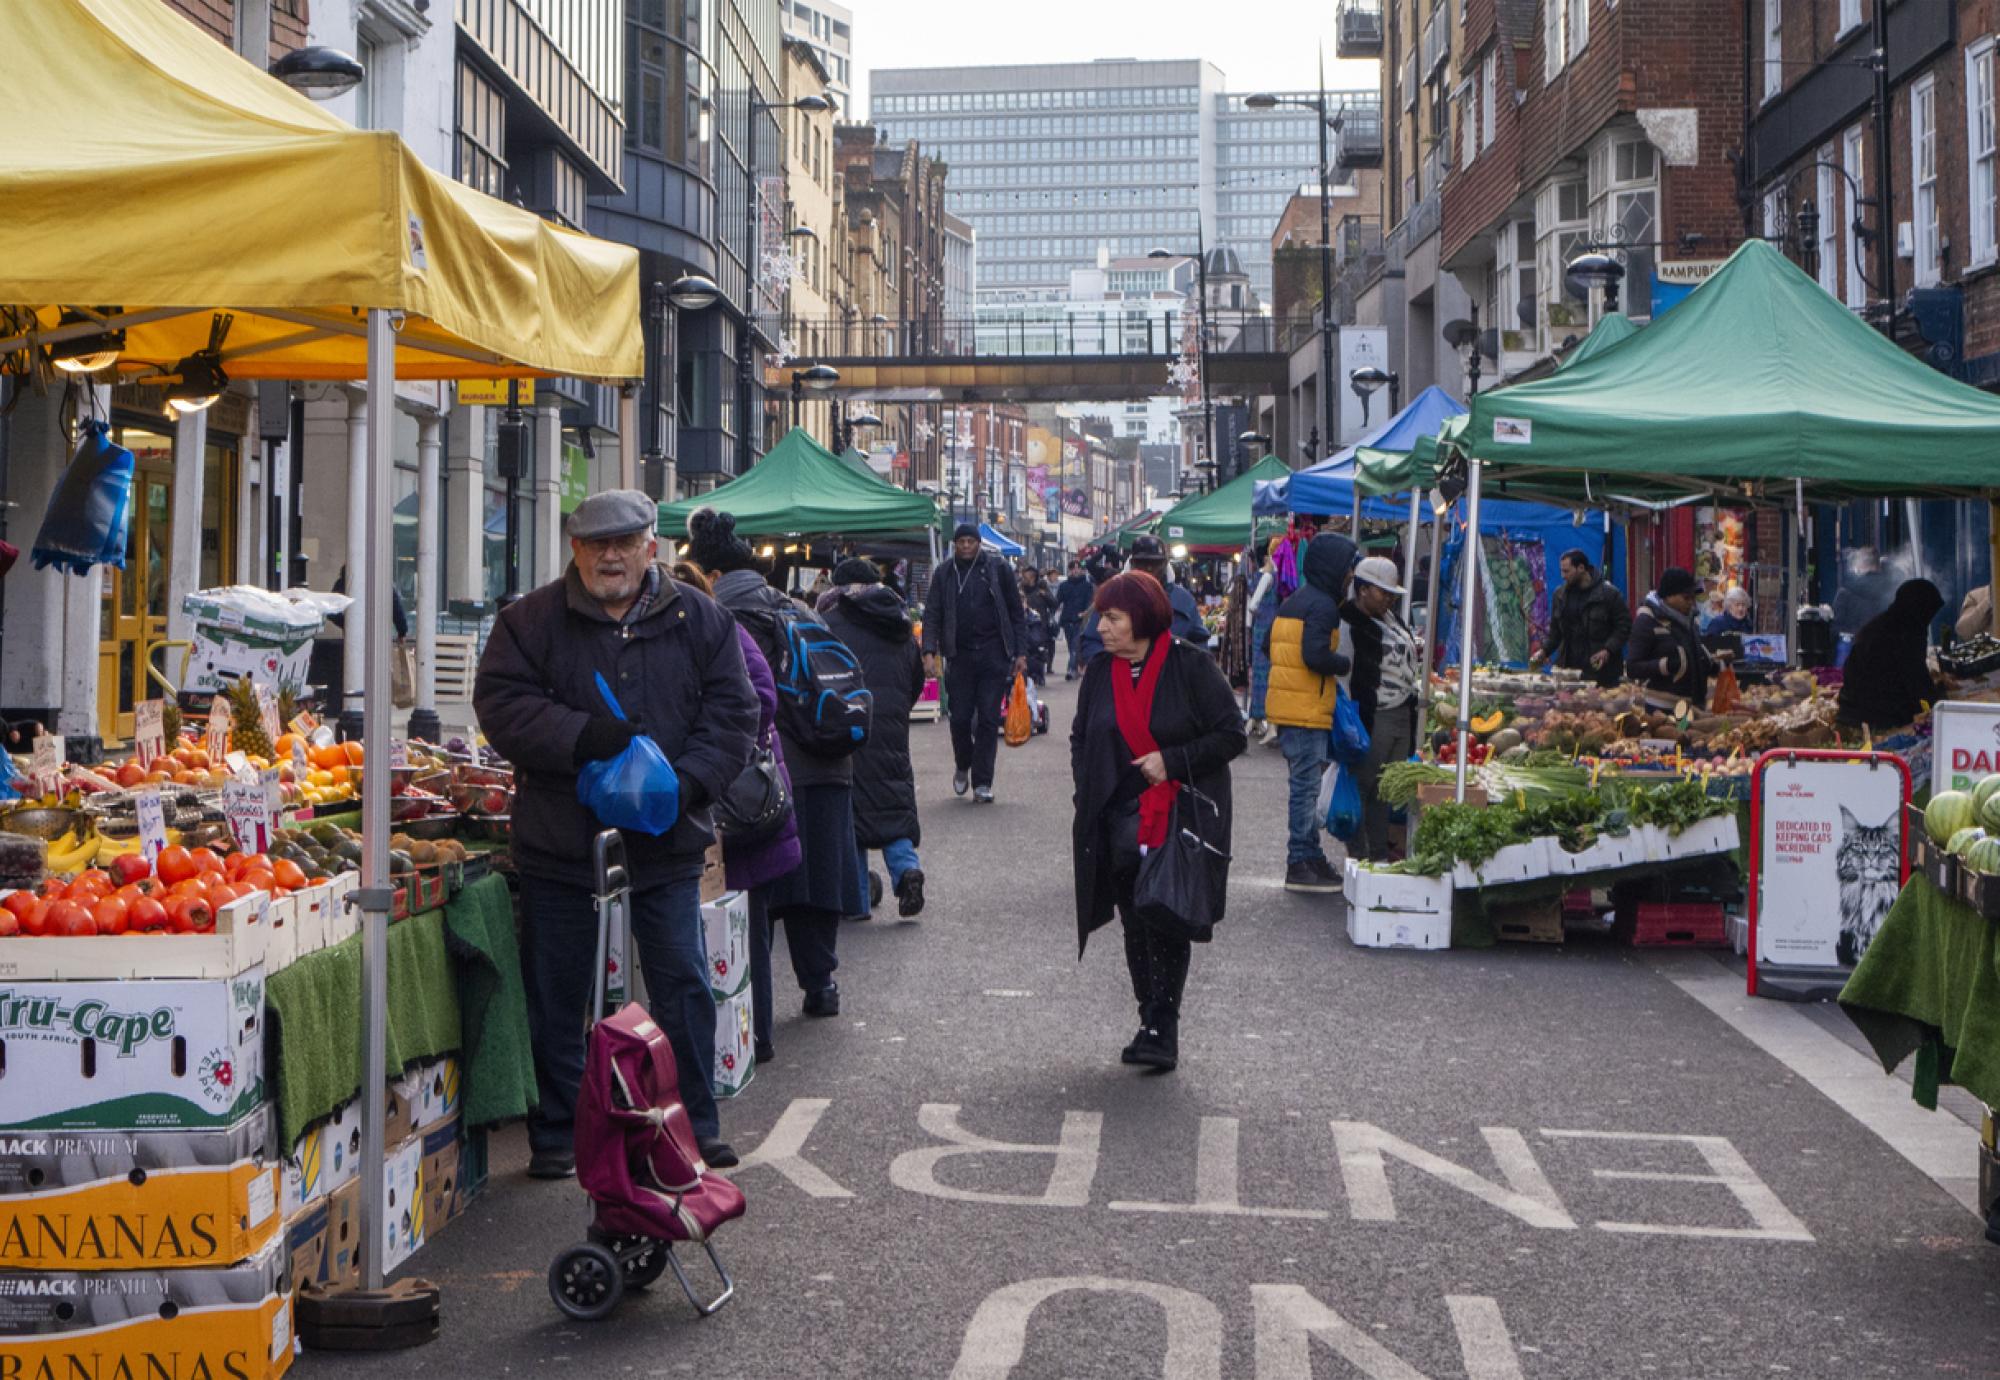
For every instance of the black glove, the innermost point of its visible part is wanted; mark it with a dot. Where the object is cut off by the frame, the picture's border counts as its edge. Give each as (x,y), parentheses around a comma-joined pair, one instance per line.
(694,796)
(603,737)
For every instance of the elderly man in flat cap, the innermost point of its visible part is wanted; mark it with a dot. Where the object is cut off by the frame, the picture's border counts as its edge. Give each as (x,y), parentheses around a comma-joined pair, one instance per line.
(973,619)
(672,661)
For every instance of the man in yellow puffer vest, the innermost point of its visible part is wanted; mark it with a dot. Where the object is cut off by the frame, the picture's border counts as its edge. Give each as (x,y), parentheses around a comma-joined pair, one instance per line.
(1305,662)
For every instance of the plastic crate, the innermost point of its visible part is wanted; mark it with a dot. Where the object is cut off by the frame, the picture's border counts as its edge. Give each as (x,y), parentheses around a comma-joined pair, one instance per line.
(1673,924)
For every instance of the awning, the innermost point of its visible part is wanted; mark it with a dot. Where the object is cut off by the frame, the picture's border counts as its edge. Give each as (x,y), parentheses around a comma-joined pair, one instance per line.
(1613,328)
(148,168)
(994,540)
(1222,516)
(1327,487)
(800,488)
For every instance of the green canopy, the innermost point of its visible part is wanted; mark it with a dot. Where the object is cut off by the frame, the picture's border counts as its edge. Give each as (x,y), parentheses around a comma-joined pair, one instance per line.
(1222,517)
(1379,472)
(1612,329)
(800,488)
(1759,378)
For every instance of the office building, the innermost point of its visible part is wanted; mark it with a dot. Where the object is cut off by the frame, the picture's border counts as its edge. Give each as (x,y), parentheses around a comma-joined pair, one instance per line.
(1260,158)
(827,29)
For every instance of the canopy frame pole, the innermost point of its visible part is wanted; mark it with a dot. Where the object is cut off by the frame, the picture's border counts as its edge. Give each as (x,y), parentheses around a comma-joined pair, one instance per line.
(97,322)
(1470,556)
(509,368)
(1431,592)
(1410,550)
(1354,487)
(373,898)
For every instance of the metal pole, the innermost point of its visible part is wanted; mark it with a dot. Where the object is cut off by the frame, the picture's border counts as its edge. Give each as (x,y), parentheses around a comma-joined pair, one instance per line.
(371,621)
(1431,591)
(1885,206)
(520,459)
(1327,386)
(1466,615)
(746,346)
(1201,325)
(424,718)
(1410,549)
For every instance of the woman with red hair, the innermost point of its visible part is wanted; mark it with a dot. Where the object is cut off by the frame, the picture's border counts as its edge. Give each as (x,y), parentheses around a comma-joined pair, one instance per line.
(1153,717)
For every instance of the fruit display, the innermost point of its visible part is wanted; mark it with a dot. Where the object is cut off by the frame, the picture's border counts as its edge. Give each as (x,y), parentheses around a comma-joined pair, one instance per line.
(179,893)
(328,849)
(246,729)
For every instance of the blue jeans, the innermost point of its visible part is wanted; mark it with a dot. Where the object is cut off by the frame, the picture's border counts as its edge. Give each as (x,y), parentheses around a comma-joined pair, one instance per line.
(1305,752)
(899,857)
(559,949)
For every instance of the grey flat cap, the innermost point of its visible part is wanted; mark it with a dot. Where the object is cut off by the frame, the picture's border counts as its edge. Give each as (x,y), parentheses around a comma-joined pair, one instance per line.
(613,513)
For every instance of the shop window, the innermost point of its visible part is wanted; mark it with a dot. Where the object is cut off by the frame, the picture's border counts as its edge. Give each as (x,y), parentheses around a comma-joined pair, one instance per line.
(1774,47)
(1854,292)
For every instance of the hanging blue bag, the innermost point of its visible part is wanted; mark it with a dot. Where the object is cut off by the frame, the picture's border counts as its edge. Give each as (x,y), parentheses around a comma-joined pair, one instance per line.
(90,511)
(1343,811)
(635,790)
(1350,740)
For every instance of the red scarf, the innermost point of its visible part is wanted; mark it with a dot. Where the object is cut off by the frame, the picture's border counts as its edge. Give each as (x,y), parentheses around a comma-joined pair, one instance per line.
(1133,704)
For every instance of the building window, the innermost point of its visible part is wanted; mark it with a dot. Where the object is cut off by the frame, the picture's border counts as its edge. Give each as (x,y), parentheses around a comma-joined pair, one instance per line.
(1850,15)
(1624,205)
(482,133)
(1554,22)
(1579,27)
(1489,81)
(1923,180)
(1829,223)
(1468,124)
(1979,149)
(1774,47)
(1854,290)
(1562,223)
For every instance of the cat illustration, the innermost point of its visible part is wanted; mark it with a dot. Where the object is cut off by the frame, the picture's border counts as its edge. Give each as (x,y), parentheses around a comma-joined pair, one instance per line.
(1869,864)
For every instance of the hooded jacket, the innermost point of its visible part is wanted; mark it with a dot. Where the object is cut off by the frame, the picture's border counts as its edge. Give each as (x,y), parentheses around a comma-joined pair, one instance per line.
(1887,678)
(1665,655)
(1305,638)
(750,597)
(676,669)
(874,624)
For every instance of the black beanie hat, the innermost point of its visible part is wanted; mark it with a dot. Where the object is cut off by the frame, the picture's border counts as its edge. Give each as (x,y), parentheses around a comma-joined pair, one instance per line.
(713,544)
(964,529)
(857,570)
(1675,580)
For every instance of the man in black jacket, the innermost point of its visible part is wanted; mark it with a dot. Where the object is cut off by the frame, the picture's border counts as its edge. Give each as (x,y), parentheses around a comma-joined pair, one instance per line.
(1073,598)
(670,657)
(1588,623)
(973,619)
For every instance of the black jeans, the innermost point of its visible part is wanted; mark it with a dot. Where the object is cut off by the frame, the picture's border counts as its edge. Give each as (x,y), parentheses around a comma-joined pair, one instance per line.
(1070,632)
(812,935)
(977,685)
(760,964)
(559,949)
(1157,958)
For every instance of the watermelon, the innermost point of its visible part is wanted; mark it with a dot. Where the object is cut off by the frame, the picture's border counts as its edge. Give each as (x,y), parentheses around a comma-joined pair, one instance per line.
(1989,813)
(1984,856)
(1948,812)
(1988,787)
(1964,839)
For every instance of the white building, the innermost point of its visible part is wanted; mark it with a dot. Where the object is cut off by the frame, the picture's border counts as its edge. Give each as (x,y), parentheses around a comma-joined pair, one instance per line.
(828,29)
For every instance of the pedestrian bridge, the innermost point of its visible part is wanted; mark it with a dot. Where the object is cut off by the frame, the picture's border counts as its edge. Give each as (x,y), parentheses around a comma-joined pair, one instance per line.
(1063,356)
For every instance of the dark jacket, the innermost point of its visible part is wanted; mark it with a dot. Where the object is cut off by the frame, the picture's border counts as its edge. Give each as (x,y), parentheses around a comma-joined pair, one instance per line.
(758,864)
(1304,640)
(989,577)
(1666,656)
(873,623)
(1584,623)
(749,596)
(1887,677)
(1073,598)
(1039,600)
(676,669)
(1199,727)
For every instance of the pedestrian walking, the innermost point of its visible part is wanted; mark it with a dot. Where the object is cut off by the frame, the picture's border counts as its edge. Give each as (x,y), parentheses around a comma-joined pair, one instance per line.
(1264,601)
(828,882)
(1038,622)
(1383,679)
(751,867)
(1665,653)
(1073,598)
(1306,663)
(1153,716)
(1589,624)
(973,620)
(872,621)
(1888,676)
(671,657)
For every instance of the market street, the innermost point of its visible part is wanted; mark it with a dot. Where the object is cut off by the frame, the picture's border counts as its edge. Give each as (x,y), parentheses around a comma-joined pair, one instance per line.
(1520,1162)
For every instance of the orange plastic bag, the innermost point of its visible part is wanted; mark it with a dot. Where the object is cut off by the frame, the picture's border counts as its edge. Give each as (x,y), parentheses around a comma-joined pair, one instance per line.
(1020,719)
(1726,696)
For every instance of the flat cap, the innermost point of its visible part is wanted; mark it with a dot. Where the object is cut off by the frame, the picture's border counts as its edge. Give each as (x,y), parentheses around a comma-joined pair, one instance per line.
(613,513)
(1147,547)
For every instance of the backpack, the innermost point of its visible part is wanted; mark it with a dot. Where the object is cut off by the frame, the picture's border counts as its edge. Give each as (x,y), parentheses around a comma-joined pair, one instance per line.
(823,701)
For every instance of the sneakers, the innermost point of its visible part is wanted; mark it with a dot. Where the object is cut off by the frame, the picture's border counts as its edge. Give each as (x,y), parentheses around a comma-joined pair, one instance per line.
(1155,1047)
(825,1002)
(551,1164)
(1269,735)
(982,795)
(716,1154)
(1312,875)
(960,782)
(910,894)
(767,1053)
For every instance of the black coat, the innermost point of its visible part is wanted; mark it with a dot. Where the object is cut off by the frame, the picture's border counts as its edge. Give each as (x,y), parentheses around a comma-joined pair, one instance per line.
(989,577)
(750,597)
(873,623)
(1583,624)
(677,669)
(1199,727)
(1888,675)
(1666,656)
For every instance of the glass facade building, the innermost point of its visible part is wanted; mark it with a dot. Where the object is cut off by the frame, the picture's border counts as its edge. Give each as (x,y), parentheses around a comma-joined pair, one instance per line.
(1263,157)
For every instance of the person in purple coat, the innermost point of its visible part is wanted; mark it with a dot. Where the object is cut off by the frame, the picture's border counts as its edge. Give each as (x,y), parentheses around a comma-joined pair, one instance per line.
(751,867)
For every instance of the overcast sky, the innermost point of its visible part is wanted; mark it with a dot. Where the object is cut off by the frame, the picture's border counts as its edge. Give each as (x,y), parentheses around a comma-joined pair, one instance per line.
(1258,44)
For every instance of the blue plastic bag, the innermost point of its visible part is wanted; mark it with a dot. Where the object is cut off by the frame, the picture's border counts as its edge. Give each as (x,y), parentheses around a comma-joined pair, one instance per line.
(1343,811)
(635,790)
(1350,740)
(90,509)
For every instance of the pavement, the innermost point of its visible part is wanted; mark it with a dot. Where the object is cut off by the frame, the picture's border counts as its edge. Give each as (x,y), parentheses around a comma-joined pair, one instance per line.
(1520,1163)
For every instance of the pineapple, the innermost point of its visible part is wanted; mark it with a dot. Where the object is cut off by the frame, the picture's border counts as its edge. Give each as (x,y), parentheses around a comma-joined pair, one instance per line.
(246,731)
(170,722)
(288,703)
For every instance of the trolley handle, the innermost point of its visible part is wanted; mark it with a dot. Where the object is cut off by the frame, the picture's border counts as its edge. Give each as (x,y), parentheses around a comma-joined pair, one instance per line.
(608,850)
(613,883)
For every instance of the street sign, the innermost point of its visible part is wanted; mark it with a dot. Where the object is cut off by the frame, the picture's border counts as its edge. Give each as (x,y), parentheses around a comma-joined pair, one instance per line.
(493,392)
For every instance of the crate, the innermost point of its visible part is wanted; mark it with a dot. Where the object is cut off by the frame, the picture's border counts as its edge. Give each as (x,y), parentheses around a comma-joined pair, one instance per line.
(1517,862)
(1390,929)
(240,942)
(1716,835)
(1673,924)
(1608,853)
(1936,865)
(1370,889)
(1528,922)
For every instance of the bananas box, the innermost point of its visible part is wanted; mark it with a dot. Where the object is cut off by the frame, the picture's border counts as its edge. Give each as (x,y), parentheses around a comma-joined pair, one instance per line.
(241,941)
(403,1230)
(130,1200)
(233,1320)
(165,1055)
(433,1089)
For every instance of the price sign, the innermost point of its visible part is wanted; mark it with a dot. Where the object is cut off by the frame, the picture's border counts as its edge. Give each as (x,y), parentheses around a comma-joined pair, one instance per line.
(267,710)
(304,722)
(152,824)
(399,752)
(248,803)
(300,764)
(149,732)
(45,764)
(238,764)
(221,719)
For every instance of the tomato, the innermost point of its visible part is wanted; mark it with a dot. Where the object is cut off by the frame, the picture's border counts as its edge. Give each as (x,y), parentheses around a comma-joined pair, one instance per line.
(206,860)
(19,903)
(147,915)
(110,915)
(71,918)
(128,868)
(288,874)
(9,926)
(176,864)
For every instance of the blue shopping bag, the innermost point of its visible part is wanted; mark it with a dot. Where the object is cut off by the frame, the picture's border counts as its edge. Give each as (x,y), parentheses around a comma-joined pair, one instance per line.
(1350,739)
(635,790)
(90,509)
(1343,810)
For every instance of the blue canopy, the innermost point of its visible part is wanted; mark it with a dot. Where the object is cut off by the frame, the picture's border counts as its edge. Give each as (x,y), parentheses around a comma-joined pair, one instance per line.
(1328,487)
(1539,533)
(994,540)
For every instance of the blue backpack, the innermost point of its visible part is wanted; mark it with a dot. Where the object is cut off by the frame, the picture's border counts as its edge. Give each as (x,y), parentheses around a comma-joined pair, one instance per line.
(824,702)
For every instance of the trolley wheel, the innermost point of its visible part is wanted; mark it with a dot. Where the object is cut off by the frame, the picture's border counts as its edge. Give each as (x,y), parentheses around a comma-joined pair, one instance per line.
(587,1282)
(644,1260)
(1042,720)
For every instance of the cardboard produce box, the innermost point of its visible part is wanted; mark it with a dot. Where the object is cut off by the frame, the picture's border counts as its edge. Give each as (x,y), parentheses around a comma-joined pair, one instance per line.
(241,630)
(241,941)
(168,1055)
(326,1156)
(735,1046)
(231,1321)
(712,883)
(130,1200)
(433,1090)
(324,1241)
(725,924)
(403,1203)
(441,1155)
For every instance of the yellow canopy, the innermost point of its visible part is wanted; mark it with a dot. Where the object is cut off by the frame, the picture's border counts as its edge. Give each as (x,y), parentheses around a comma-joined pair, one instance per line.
(145,166)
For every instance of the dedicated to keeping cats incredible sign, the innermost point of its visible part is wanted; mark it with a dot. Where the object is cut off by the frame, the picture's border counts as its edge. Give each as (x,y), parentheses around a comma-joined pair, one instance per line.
(1830,855)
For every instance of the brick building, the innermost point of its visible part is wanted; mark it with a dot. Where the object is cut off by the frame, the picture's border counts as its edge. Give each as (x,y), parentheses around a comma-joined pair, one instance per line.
(283,22)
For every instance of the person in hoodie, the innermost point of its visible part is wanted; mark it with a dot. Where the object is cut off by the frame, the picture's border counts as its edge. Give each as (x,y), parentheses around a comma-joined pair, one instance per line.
(1665,654)
(868,616)
(828,882)
(1888,677)
(1306,664)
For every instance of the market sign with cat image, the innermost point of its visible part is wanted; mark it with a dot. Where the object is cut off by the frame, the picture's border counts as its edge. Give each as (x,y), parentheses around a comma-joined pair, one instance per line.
(1831,856)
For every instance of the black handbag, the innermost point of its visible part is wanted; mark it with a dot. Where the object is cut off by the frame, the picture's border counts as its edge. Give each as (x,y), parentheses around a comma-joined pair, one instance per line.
(756,804)
(1184,883)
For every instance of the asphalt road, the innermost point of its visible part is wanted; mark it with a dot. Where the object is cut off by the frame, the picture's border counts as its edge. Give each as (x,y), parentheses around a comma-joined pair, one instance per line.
(1520,1162)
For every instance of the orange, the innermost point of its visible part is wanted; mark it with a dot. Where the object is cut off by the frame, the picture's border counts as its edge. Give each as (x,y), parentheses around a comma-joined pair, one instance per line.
(354,752)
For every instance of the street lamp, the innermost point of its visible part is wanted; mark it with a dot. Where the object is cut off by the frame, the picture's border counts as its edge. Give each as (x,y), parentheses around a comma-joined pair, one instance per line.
(818,377)
(1463,335)
(1201,322)
(1264,100)
(1255,438)
(1369,380)
(693,292)
(1598,270)
(319,72)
